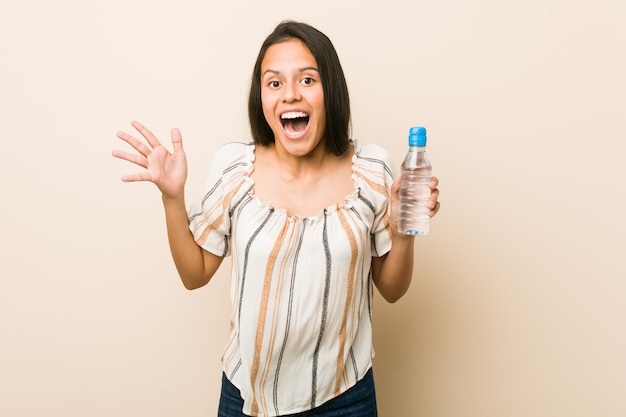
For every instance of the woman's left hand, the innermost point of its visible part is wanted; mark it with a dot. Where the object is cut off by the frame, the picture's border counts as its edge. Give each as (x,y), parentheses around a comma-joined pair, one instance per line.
(433,203)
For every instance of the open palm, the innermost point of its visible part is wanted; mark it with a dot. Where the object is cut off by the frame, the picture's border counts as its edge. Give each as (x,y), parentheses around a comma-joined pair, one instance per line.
(168,171)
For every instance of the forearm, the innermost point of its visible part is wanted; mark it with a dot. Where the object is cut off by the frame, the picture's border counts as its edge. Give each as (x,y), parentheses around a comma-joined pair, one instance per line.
(195,266)
(392,273)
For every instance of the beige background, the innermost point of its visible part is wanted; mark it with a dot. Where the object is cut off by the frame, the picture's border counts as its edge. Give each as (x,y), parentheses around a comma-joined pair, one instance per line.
(517,305)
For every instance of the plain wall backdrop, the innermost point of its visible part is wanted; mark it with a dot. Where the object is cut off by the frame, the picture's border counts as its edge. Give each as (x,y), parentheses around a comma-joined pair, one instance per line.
(517,306)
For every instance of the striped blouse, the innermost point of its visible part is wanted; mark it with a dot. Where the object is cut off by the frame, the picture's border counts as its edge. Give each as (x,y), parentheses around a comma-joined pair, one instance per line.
(301,289)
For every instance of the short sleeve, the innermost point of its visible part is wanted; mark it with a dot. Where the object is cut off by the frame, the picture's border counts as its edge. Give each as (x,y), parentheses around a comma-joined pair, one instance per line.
(381,234)
(374,169)
(209,218)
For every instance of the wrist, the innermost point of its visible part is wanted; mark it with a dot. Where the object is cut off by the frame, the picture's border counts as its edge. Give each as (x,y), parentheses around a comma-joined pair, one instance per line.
(402,239)
(172,201)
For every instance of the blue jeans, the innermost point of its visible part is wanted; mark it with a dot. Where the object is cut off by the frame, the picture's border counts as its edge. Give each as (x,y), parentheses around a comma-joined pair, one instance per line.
(360,400)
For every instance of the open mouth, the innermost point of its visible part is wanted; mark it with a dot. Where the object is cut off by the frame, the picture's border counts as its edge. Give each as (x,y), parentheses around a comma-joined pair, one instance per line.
(294,123)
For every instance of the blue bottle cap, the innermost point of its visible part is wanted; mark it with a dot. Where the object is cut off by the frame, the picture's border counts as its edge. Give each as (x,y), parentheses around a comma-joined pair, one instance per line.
(417,136)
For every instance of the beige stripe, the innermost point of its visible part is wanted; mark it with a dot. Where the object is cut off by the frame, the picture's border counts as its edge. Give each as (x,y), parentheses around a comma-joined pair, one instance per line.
(275,319)
(377,187)
(228,359)
(363,239)
(225,203)
(381,189)
(349,290)
(229,351)
(267,281)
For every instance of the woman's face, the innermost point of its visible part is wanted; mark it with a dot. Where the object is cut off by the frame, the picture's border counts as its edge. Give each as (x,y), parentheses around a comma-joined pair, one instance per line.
(292,98)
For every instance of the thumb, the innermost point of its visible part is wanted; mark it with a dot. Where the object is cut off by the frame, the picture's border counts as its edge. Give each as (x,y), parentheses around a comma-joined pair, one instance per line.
(395,187)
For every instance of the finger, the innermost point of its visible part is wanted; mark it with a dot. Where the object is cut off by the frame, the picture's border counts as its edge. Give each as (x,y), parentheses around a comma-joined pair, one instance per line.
(135,159)
(434,182)
(152,140)
(435,210)
(135,143)
(141,176)
(177,141)
(434,196)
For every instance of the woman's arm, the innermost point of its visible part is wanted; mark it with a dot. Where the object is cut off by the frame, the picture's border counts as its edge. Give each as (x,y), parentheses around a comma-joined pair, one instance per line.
(392,272)
(195,265)
(168,171)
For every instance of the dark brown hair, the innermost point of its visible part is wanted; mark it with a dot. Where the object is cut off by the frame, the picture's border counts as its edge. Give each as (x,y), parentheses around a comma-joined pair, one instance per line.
(336,98)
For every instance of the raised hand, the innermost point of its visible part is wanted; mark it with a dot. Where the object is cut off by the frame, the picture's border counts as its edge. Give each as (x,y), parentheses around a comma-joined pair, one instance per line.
(168,171)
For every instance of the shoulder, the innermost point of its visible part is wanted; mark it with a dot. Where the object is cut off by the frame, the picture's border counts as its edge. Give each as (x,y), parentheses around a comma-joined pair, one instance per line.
(235,149)
(372,156)
(233,154)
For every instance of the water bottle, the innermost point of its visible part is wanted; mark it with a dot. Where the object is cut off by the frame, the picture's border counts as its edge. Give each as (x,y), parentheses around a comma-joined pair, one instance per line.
(413,212)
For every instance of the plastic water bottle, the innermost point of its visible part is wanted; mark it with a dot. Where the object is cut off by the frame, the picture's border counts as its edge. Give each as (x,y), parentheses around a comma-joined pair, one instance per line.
(413,212)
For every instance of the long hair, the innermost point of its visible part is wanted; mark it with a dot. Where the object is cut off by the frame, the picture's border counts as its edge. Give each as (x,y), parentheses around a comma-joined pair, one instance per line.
(336,98)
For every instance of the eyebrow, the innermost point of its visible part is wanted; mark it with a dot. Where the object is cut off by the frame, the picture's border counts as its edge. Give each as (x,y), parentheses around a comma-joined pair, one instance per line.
(299,70)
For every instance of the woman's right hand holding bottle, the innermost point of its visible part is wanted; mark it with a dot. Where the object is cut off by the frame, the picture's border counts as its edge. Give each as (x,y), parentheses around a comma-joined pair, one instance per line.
(168,171)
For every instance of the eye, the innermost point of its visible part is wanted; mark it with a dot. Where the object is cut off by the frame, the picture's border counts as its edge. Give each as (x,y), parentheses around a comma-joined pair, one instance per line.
(307,81)
(273,84)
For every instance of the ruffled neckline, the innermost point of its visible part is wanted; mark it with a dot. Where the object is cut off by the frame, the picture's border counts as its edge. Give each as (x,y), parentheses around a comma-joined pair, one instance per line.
(329,210)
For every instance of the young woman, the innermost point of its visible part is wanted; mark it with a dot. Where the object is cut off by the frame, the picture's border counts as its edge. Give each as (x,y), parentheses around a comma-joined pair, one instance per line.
(309,218)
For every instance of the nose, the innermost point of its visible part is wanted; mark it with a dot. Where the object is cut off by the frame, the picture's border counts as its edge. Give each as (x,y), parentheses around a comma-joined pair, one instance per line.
(291,93)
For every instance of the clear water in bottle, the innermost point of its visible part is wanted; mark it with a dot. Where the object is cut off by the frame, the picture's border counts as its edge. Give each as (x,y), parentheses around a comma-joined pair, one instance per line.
(413,212)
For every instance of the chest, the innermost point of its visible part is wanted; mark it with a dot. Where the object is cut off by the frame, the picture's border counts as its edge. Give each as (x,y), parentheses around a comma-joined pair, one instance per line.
(307,195)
